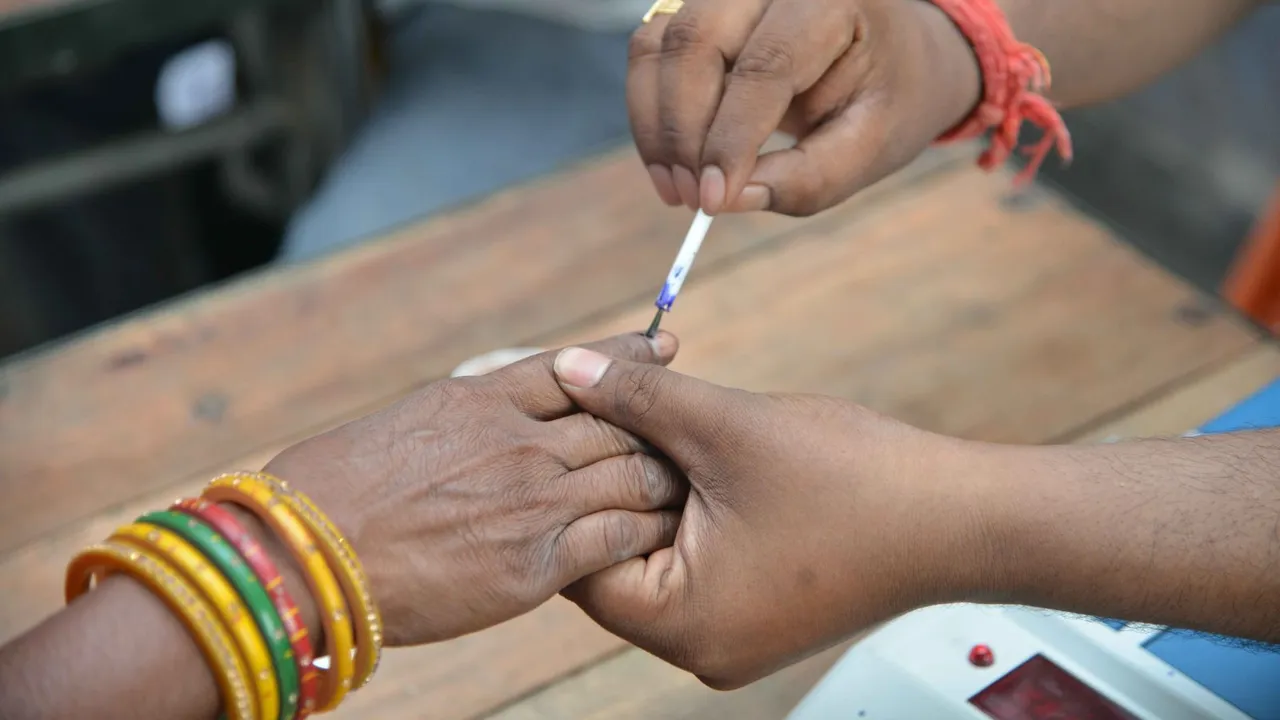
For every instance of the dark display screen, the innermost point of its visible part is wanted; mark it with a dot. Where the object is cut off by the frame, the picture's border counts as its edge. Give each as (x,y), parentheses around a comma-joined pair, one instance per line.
(1040,690)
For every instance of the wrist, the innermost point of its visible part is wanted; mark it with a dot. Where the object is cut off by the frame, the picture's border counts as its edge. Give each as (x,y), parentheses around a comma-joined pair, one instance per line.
(954,79)
(967,530)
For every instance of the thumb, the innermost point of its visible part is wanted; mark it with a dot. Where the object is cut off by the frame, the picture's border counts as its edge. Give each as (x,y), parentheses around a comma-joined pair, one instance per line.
(823,169)
(669,410)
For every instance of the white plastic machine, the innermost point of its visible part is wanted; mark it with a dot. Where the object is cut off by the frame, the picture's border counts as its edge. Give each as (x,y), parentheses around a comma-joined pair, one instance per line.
(1001,663)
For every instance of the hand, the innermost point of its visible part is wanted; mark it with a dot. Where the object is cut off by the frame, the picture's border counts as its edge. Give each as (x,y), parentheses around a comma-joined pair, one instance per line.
(864,85)
(808,519)
(477,499)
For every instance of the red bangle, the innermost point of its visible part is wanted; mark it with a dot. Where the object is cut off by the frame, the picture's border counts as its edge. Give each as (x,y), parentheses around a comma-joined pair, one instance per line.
(269,575)
(1013,76)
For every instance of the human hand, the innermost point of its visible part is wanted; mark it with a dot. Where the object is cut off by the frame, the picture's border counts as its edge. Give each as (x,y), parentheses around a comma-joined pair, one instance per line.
(476,499)
(864,85)
(808,519)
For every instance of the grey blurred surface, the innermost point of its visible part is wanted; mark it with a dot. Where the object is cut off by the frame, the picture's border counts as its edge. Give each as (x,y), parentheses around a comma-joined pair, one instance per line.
(478,100)
(1182,168)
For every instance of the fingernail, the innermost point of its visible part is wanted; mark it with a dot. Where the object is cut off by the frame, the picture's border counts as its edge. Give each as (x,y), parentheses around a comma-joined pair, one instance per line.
(712,189)
(664,344)
(576,367)
(687,184)
(753,197)
(664,184)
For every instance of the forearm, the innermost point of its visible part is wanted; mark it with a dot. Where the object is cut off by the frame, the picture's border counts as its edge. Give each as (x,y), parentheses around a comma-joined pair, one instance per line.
(1177,532)
(1102,49)
(118,652)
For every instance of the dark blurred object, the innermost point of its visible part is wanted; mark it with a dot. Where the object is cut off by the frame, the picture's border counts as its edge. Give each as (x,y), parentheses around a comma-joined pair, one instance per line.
(1184,168)
(104,208)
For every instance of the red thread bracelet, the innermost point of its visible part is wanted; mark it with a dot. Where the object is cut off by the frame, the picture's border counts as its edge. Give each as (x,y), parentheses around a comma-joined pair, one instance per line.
(269,575)
(1013,76)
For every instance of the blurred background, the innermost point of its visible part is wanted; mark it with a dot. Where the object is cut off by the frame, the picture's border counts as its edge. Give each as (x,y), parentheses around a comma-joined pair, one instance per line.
(151,147)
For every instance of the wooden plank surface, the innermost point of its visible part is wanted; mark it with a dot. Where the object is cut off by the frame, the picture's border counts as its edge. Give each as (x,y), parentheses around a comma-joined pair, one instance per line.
(1202,398)
(954,313)
(634,685)
(172,394)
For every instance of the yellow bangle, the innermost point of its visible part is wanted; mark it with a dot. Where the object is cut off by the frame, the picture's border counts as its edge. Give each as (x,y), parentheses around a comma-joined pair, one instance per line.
(355,584)
(260,499)
(197,570)
(217,646)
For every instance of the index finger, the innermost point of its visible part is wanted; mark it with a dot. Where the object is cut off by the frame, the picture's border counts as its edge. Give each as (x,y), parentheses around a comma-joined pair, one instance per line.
(532,387)
(794,45)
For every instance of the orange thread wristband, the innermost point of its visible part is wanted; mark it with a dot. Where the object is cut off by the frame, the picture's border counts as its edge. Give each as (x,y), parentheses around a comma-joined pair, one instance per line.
(1013,76)
(215,643)
(259,498)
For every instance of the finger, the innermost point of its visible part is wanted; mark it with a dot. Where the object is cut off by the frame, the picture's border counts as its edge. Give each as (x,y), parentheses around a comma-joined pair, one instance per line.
(839,158)
(795,43)
(532,388)
(628,482)
(628,599)
(674,412)
(697,44)
(606,538)
(583,439)
(644,59)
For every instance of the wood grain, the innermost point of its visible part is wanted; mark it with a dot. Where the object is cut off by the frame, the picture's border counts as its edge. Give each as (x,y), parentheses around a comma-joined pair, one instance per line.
(637,686)
(170,394)
(955,314)
(1198,400)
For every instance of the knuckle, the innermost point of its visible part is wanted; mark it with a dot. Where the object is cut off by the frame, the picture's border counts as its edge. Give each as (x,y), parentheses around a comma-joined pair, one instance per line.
(769,57)
(675,140)
(644,44)
(638,393)
(645,479)
(620,537)
(608,439)
(684,35)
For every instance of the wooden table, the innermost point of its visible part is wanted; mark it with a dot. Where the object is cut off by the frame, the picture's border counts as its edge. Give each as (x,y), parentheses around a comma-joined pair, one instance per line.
(934,297)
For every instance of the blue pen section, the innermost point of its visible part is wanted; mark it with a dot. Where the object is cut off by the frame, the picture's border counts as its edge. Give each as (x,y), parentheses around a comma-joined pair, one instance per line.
(666,298)
(1246,676)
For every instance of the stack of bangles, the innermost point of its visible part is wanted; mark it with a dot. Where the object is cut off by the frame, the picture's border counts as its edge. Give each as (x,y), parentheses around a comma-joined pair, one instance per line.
(219,581)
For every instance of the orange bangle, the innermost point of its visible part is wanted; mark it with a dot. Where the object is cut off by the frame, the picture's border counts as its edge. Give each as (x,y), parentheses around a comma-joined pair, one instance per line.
(260,499)
(355,584)
(216,644)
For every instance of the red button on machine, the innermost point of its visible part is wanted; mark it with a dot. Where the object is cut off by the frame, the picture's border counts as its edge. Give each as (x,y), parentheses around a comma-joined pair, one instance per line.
(981,656)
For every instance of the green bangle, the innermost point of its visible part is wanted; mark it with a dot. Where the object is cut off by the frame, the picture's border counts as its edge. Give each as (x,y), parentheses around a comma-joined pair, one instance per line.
(228,561)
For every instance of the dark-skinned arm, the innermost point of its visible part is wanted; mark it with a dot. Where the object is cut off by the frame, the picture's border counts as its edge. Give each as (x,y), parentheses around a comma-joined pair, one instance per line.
(118,652)
(1103,49)
(1182,532)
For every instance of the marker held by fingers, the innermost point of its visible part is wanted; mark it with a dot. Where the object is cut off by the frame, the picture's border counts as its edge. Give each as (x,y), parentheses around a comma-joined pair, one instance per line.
(680,268)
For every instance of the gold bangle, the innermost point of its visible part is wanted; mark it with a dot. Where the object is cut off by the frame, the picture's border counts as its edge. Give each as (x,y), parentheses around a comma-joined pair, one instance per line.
(342,558)
(197,570)
(193,611)
(260,499)
(663,7)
